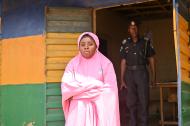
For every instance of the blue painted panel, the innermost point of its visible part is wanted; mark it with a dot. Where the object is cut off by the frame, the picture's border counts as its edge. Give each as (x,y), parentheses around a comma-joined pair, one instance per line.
(0,7)
(183,9)
(23,18)
(27,17)
(90,3)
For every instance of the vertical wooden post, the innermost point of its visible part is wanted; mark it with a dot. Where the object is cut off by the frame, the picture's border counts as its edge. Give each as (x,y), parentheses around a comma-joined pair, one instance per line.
(94,21)
(161,106)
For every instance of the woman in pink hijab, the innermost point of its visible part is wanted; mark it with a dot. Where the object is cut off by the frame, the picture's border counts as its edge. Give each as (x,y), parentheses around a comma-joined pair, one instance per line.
(89,87)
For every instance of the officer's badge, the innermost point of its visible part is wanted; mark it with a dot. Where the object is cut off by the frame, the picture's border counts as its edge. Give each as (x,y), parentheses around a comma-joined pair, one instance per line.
(124,41)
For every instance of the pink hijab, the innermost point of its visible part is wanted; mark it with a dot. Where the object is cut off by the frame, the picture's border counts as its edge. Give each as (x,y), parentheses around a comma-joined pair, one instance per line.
(89,90)
(87,67)
(95,37)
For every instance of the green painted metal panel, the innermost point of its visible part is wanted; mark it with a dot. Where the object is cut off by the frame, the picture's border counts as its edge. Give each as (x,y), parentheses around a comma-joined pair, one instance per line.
(185,99)
(54,112)
(54,105)
(53,92)
(23,105)
(57,123)
(0,108)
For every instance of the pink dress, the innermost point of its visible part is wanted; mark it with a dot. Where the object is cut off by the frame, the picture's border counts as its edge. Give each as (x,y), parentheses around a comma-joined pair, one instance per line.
(89,91)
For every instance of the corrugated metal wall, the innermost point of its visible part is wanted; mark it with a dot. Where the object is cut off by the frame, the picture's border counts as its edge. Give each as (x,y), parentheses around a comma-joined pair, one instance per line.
(54,113)
(184,48)
(60,47)
(64,25)
(63,28)
(185,70)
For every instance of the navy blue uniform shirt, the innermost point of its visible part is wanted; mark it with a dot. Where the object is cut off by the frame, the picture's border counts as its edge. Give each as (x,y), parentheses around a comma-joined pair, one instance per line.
(136,53)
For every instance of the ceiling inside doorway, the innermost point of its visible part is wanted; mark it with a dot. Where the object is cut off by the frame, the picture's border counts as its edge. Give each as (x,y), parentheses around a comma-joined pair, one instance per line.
(149,9)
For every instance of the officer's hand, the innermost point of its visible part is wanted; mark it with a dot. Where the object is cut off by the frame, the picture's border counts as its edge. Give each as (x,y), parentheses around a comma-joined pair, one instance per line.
(123,85)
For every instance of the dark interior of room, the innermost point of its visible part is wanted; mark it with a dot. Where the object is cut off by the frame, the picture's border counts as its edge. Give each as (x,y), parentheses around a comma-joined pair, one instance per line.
(153,17)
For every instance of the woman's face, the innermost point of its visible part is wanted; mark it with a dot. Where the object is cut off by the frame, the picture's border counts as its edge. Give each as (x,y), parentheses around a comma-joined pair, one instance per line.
(87,47)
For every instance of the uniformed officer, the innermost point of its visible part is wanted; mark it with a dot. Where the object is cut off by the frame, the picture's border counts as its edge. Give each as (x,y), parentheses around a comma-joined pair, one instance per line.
(136,55)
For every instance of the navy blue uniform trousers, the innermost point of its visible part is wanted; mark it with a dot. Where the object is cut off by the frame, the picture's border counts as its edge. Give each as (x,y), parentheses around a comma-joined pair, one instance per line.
(137,96)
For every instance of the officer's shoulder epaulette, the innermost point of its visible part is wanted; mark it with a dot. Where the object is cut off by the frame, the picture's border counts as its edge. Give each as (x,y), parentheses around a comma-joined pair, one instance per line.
(146,38)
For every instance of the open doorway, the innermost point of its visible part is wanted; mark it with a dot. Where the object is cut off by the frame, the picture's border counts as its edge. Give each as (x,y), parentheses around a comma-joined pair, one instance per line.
(156,18)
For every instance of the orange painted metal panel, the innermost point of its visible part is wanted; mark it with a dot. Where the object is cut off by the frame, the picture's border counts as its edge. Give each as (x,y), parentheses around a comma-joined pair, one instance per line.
(23,60)
(183,24)
(185,63)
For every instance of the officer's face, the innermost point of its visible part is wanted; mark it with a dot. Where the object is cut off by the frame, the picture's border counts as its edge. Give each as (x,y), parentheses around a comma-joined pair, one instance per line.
(87,47)
(133,30)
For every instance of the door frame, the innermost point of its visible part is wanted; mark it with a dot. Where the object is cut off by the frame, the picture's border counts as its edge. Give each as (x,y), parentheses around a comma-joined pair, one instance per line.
(176,42)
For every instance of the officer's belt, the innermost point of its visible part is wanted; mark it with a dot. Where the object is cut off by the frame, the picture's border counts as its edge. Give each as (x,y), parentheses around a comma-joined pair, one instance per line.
(137,67)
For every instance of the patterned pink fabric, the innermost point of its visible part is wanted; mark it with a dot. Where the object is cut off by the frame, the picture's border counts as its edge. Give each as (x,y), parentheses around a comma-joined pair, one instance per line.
(89,91)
